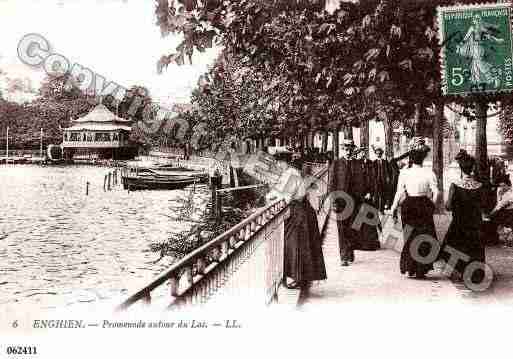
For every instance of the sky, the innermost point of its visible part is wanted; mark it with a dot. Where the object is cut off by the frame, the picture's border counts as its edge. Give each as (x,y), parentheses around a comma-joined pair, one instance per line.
(118,39)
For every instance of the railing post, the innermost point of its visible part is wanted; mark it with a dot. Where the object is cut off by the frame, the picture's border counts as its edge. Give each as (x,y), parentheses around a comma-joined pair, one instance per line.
(225,247)
(201,265)
(173,287)
(147,298)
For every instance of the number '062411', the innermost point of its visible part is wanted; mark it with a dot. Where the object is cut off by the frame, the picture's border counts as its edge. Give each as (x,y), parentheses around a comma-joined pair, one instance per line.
(21,350)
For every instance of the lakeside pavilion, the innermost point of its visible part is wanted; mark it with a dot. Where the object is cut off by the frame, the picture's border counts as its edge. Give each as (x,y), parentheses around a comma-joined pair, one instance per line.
(99,134)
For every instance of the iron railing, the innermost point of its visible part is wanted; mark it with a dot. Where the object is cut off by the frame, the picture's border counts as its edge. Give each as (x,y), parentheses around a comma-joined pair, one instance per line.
(244,262)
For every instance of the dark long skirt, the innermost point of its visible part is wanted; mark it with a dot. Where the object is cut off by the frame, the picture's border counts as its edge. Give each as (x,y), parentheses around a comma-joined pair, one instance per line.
(465,240)
(417,219)
(304,260)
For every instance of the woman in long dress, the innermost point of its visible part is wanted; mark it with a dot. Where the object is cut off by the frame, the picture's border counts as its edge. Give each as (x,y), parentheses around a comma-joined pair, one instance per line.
(304,261)
(463,235)
(419,186)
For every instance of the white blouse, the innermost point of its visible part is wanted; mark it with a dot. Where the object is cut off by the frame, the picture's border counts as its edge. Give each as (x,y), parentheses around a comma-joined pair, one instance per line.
(418,181)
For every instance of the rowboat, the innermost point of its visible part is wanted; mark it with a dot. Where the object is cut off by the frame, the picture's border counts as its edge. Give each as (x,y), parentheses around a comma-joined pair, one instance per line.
(136,178)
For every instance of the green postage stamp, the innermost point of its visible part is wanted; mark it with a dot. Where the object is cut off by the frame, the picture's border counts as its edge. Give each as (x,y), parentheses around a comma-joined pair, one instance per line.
(476,54)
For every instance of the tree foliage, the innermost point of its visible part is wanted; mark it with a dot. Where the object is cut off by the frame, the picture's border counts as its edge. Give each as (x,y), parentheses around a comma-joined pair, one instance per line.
(60,100)
(337,67)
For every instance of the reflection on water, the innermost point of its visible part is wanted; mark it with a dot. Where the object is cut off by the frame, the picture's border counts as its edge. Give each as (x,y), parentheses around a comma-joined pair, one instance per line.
(59,247)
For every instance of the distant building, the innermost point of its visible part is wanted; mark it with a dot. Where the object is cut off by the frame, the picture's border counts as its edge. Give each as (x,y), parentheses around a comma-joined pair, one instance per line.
(497,146)
(99,134)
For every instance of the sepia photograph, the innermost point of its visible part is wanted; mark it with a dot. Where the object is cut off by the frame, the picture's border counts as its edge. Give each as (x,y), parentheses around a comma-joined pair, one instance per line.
(311,173)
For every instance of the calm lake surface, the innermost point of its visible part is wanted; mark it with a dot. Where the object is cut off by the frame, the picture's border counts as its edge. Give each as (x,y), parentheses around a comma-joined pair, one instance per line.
(59,247)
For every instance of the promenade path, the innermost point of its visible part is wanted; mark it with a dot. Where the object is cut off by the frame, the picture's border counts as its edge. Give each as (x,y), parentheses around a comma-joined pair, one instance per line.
(374,277)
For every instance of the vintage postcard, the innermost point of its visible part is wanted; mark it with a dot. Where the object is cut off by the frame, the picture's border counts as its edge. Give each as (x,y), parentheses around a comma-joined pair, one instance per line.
(268,178)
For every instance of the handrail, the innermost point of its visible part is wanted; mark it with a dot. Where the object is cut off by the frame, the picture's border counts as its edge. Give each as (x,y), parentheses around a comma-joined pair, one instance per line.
(197,253)
(225,245)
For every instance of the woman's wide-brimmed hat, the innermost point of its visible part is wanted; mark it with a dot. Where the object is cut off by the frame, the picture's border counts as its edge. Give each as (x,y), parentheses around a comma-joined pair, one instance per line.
(418,144)
(378,149)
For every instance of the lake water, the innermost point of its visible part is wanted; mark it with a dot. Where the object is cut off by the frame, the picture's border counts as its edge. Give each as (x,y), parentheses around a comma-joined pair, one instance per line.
(59,247)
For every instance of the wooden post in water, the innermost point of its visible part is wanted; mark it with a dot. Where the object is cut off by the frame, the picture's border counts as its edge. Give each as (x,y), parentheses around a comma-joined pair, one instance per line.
(87,188)
(108,181)
(105,183)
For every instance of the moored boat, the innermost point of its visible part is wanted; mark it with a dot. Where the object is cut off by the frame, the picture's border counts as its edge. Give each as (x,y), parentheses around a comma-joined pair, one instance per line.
(135,178)
(156,183)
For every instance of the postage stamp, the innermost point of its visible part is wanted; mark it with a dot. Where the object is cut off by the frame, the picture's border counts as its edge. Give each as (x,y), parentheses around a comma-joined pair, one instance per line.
(476,54)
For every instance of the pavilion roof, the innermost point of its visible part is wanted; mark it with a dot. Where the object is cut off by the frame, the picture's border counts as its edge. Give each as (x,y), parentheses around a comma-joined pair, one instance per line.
(101,114)
(98,127)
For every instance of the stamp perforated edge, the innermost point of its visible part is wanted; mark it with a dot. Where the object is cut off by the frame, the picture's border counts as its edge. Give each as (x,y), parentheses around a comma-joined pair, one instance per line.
(439,16)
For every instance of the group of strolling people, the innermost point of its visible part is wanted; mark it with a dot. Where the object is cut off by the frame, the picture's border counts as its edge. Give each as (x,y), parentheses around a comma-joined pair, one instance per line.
(357,184)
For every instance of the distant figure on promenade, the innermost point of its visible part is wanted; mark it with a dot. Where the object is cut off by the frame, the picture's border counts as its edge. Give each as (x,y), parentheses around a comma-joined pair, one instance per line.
(304,261)
(394,166)
(465,202)
(348,175)
(383,188)
(414,189)
(364,172)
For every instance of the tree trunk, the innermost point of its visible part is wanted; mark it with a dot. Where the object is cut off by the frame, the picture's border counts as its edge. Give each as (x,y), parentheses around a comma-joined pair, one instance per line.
(335,143)
(438,156)
(483,166)
(348,132)
(481,142)
(311,139)
(364,136)
(389,137)
(324,145)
